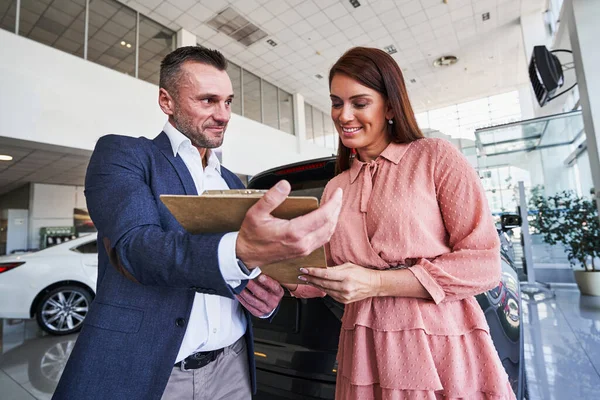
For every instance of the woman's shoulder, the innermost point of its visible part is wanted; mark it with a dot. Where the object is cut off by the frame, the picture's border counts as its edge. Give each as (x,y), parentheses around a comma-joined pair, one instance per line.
(341,180)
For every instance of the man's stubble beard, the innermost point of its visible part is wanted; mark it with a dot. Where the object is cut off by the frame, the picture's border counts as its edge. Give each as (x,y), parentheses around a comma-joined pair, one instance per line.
(185,126)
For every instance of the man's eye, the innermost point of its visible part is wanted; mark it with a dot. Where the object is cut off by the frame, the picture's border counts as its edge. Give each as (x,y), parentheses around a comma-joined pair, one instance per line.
(207,101)
(228,102)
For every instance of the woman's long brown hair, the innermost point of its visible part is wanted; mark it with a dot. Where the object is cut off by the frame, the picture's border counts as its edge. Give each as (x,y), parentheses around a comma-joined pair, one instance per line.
(377,70)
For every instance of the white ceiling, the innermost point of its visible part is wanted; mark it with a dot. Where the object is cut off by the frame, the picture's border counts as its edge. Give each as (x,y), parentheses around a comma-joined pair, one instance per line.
(312,34)
(40,163)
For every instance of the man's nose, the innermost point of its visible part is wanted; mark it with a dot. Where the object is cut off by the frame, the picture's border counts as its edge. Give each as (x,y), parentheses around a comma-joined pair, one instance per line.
(222,113)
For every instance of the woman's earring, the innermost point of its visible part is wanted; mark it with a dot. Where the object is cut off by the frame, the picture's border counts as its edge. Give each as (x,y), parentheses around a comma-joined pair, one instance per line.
(390,121)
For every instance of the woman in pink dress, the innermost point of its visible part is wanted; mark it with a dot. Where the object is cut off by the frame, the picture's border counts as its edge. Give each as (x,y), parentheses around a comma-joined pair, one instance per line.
(414,244)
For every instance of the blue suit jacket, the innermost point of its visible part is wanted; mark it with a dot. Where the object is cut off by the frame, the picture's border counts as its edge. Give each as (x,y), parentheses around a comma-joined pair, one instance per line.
(149,270)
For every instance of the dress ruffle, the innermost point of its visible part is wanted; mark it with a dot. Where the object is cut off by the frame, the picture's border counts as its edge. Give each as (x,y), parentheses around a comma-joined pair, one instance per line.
(401,313)
(417,355)
(348,391)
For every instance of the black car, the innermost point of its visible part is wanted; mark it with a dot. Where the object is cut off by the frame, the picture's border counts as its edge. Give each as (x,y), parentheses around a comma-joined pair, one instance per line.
(296,352)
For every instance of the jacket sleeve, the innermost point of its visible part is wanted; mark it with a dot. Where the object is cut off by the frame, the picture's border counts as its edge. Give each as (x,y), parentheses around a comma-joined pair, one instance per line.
(473,264)
(126,214)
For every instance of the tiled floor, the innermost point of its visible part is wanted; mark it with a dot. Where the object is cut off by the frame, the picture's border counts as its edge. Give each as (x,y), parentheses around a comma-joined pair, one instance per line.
(562,347)
(562,352)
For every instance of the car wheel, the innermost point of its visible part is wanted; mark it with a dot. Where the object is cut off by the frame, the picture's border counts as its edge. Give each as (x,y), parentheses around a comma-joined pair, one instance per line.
(62,311)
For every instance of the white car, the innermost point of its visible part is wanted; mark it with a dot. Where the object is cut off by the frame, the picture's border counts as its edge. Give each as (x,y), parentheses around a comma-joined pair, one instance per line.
(54,285)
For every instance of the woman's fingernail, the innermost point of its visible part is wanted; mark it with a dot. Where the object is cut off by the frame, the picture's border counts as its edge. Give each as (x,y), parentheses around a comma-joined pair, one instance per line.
(304,270)
(302,278)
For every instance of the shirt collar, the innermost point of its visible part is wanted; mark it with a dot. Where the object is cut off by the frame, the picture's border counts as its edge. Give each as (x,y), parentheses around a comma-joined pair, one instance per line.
(178,139)
(393,153)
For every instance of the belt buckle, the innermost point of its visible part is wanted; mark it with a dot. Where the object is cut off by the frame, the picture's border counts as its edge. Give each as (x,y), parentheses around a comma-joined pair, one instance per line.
(182,366)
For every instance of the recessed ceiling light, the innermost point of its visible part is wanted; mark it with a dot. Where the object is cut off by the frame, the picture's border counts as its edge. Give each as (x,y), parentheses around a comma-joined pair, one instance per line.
(123,43)
(485,16)
(445,61)
(5,157)
(355,3)
(128,45)
(391,49)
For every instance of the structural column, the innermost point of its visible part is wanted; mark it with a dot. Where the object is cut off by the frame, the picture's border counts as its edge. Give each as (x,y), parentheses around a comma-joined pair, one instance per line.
(299,121)
(582,18)
(185,38)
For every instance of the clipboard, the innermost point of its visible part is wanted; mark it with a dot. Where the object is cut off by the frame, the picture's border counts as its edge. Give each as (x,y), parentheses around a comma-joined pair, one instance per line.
(216,211)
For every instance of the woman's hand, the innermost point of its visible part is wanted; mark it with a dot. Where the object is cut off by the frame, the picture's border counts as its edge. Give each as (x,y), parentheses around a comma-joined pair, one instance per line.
(290,286)
(345,283)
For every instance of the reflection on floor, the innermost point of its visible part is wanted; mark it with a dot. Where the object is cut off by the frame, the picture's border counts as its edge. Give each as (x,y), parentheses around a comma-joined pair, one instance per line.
(562,352)
(562,347)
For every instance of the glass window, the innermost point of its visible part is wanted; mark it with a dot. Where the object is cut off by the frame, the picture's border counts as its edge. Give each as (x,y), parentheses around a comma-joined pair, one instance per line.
(308,120)
(330,134)
(112,35)
(235,74)
(286,112)
(251,89)
(318,127)
(58,23)
(8,15)
(156,42)
(269,104)
(88,248)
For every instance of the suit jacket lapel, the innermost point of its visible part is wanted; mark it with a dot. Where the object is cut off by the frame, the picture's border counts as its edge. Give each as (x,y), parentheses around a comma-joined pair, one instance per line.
(163,143)
(229,178)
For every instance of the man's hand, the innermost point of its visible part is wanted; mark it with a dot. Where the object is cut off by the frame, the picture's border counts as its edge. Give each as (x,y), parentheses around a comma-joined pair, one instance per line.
(261,296)
(264,239)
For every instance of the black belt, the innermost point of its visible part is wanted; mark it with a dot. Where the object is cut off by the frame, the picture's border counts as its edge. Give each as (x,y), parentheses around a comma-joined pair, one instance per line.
(198,360)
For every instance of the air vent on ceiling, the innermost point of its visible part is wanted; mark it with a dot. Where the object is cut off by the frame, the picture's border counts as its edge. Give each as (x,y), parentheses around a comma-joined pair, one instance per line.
(319,76)
(231,23)
(272,42)
(485,16)
(391,49)
(355,3)
(413,80)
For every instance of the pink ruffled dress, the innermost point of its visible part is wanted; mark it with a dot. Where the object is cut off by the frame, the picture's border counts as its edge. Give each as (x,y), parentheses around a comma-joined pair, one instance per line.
(418,206)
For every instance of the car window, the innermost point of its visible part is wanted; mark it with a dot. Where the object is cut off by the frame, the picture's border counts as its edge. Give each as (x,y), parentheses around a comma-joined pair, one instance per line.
(88,248)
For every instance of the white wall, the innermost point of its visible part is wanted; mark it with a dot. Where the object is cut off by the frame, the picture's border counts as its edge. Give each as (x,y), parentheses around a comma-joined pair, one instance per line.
(53,97)
(52,205)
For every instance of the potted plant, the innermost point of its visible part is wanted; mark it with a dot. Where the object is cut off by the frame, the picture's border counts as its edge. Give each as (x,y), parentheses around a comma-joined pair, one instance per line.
(573,221)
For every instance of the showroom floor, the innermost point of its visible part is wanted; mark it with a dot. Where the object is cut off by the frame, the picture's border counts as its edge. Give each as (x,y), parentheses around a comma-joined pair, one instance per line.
(562,352)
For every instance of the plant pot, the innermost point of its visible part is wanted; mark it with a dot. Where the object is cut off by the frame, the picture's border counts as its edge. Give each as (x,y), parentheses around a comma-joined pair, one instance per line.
(588,282)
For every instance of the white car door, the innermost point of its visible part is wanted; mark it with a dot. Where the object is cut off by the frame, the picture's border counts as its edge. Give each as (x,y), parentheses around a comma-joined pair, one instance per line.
(89,259)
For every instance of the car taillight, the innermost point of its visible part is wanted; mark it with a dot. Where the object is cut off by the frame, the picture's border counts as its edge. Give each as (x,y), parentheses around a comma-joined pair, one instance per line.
(301,168)
(10,265)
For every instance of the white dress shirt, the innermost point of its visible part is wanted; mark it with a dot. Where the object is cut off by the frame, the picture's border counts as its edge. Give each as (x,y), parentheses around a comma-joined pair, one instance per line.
(215,321)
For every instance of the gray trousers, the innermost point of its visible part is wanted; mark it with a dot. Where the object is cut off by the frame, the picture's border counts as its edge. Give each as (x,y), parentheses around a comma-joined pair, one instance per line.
(225,378)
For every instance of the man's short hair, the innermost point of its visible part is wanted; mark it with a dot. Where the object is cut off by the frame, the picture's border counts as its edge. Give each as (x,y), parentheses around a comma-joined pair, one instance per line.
(170,67)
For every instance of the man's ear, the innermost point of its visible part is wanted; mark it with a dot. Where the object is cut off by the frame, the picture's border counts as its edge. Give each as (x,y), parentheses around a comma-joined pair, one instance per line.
(165,101)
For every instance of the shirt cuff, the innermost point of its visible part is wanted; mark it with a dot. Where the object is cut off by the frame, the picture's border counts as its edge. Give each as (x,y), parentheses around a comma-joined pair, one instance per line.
(428,282)
(268,315)
(233,272)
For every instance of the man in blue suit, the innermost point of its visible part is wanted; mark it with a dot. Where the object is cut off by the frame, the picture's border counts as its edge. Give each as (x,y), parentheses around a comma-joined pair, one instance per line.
(171,317)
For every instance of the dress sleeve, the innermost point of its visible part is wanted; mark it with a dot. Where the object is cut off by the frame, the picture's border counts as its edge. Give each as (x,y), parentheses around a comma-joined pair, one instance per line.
(307,291)
(473,264)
